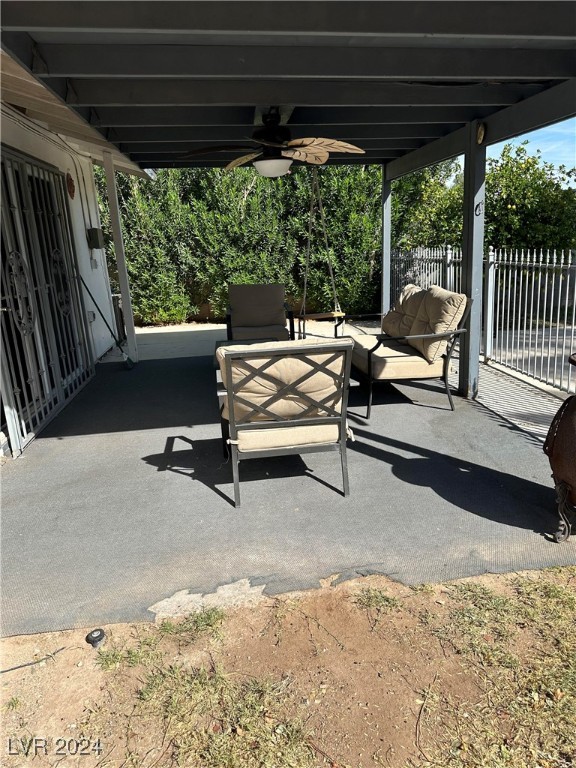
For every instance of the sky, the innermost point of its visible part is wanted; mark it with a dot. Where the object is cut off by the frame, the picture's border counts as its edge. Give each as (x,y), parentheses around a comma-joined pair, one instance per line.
(556,142)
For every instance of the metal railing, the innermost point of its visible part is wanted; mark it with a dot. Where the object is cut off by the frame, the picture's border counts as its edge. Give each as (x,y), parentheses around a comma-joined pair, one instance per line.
(425,267)
(529,312)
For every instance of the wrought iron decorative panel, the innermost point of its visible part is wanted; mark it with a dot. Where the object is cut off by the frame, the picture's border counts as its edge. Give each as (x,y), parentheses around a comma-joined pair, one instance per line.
(45,354)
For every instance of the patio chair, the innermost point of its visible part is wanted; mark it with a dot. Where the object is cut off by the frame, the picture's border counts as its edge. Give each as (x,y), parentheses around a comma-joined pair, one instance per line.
(417,340)
(258,312)
(285,399)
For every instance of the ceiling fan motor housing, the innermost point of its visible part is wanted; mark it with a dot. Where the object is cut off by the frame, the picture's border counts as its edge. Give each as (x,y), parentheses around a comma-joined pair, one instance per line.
(272,131)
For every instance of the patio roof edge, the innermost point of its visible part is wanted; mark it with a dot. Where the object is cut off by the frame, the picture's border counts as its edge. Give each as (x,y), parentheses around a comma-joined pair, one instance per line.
(550,106)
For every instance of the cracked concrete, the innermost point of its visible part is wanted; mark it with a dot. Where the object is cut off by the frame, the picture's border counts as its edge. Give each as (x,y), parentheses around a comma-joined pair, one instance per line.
(184,602)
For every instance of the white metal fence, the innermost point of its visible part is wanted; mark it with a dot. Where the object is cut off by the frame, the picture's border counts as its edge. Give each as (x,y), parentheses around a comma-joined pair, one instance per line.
(529,312)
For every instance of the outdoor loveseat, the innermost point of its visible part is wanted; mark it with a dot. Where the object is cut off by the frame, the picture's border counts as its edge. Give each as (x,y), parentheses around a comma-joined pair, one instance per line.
(417,340)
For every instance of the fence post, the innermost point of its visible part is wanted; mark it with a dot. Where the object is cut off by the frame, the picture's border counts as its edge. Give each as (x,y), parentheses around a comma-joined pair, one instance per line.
(489,284)
(449,269)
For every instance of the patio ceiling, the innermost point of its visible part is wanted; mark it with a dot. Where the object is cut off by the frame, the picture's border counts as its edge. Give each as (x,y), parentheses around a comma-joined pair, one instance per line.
(159,80)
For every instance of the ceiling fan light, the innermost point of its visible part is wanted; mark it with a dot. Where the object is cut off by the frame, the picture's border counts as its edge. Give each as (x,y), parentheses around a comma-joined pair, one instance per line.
(272,167)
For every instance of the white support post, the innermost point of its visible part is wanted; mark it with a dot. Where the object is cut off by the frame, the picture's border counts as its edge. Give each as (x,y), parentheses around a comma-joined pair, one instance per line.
(472,254)
(386,243)
(131,346)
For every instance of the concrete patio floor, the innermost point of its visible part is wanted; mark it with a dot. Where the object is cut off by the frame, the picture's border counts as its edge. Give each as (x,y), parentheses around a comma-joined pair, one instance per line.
(124,500)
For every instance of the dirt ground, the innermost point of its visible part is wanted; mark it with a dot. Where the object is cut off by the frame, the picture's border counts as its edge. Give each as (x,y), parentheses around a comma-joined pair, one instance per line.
(359,678)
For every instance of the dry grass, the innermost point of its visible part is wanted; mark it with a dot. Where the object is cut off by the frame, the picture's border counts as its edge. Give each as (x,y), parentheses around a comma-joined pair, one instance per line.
(522,648)
(520,645)
(479,673)
(177,714)
(213,720)
(376,603)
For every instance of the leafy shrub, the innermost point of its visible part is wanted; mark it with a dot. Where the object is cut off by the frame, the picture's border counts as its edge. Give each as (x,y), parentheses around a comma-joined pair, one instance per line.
(188,233)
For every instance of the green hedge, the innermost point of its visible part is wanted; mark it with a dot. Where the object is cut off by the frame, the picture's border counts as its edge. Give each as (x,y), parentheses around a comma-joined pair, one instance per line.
(188,233)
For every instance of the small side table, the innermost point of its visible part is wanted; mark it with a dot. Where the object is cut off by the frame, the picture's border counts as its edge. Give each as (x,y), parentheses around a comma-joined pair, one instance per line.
(336,316)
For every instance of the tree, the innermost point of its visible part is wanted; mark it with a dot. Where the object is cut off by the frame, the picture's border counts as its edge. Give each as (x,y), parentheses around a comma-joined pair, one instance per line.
(528,204)
(427,207)
(352,203)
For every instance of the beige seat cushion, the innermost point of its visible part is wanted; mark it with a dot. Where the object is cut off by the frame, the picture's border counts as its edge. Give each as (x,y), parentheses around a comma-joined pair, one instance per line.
(286,437)
(399,320)
(285,370)
(440,311)
(393,360)
(257,305)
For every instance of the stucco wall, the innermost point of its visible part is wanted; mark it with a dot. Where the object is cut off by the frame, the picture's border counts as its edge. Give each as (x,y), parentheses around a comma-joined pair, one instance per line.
(27,137)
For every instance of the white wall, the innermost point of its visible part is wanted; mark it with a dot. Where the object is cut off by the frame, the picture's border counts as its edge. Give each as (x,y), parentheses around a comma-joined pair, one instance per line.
(23,135)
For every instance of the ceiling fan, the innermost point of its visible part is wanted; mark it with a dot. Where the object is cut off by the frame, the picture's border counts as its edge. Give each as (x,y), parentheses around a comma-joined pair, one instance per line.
(277,150)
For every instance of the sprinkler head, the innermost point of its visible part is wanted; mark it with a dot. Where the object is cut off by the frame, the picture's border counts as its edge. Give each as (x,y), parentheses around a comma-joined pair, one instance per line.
(96,637)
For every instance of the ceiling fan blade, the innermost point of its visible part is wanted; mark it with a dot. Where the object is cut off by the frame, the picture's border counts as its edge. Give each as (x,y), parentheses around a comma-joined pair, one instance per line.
(242,160)
(331,145)
(314,155)
(218,148)
(266,143)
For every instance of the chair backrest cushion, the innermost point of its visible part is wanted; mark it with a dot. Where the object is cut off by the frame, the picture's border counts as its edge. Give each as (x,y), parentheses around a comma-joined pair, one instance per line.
(399,321)
(440,311)
(291,386)
(256,305)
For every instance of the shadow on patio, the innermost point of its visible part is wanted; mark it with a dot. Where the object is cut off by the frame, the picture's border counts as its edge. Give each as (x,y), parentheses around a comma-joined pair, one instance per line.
(125,499)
